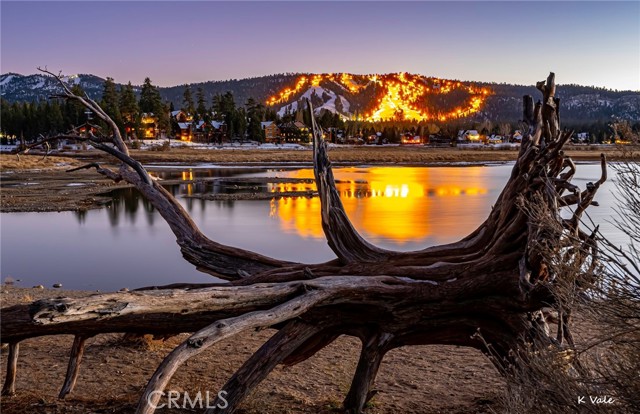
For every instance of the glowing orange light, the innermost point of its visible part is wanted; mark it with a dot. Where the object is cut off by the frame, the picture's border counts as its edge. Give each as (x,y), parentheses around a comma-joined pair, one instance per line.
(400,97)
(400,199)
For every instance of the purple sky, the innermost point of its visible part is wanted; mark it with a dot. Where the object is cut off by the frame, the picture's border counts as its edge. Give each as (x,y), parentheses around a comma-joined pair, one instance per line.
(589,43)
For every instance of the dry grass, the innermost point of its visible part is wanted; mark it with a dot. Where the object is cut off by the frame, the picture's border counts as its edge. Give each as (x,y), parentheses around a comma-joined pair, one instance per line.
(603,375)
(10,162)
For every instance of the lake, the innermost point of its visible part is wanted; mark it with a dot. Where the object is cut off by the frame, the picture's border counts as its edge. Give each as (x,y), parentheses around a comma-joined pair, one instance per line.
(127,244)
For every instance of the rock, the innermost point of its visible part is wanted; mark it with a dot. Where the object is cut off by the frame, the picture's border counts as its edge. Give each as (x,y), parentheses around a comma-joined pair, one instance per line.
(124,290)
(38,287)
(57,285)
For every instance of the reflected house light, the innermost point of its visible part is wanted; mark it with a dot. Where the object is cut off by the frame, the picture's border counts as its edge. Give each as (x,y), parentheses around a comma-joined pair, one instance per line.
(399,206)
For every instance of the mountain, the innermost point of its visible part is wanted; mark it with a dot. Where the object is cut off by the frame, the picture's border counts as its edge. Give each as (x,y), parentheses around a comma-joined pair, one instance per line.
(396,96)
(15,87)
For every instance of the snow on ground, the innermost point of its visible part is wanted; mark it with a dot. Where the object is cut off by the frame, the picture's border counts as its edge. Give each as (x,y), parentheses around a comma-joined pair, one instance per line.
(481,146)
(8,148)
(247,145)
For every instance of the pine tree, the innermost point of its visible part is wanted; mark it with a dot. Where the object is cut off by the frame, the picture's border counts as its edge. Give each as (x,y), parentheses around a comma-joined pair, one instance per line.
(130,111)
(225,110)
(255,114)
(202,106)
(128,104)
(149,97)
(55,119)
(110,102)
(187,101)
(239,122)
(161,112)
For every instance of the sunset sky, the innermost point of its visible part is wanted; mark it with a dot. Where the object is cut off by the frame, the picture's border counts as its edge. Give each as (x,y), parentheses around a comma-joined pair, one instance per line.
(588,43)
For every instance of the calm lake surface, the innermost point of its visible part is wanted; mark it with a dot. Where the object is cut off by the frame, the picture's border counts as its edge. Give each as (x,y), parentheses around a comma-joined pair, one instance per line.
(129,245)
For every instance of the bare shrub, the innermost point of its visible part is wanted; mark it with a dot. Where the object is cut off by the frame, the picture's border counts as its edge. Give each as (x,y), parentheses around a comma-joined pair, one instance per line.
(600,371)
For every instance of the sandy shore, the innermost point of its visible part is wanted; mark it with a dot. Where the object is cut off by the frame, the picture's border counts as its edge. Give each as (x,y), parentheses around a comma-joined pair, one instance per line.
(420,379)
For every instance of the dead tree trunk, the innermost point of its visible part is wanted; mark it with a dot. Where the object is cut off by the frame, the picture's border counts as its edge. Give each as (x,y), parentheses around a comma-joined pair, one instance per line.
(483,291)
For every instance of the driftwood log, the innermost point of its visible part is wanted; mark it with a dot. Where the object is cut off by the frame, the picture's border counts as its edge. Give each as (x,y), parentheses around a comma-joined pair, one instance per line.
(485,291)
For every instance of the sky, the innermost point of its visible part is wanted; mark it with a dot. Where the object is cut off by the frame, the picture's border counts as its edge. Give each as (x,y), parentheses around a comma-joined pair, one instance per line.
(586,42)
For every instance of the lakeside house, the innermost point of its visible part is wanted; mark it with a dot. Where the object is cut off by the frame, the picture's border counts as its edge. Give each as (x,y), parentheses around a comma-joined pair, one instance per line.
(271,132)
(185,131)
(213,131)
(149,124)
(85,128)
(295,132)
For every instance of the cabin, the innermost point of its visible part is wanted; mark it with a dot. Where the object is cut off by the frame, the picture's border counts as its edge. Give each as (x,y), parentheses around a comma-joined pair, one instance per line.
(271,132)
(208,132)
(149,124)
(85,128)
(517,136)
(295,132)
(411,139)
(185,131)
(581,137)
(181,116)
(470,135)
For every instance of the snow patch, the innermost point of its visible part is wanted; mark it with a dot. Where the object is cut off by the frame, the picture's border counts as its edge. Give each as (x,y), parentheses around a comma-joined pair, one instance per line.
(6,80)
(329,105)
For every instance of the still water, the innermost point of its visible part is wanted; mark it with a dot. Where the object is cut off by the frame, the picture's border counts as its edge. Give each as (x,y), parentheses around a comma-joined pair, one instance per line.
(129,245)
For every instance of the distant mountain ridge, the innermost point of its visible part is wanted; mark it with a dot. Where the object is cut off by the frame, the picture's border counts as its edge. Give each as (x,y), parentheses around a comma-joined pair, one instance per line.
(372,97)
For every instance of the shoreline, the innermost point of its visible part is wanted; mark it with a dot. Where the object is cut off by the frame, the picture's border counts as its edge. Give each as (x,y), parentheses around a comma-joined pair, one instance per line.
(33,183)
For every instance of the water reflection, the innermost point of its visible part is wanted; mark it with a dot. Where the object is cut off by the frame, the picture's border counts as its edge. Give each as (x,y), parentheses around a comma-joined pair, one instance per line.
(399,204)
(396,208)
(393,204)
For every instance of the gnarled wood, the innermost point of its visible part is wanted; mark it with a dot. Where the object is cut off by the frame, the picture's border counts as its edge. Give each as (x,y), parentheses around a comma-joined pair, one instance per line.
(341,236)
(275,351)
(374,347)
(9,387)
(77,350)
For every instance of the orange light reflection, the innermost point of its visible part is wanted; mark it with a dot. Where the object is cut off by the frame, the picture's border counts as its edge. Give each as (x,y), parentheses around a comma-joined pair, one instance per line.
(395,204)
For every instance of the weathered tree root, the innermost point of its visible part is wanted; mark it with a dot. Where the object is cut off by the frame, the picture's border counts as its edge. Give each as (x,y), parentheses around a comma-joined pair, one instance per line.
(494,281)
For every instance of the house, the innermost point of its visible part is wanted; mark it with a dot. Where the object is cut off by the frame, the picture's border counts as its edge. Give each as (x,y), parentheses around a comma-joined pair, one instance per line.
(181,125)
(185,131)
(149,124)
(411,139)
(201,131)
(581,137)
(219,132)
(207,132)
(517,136)
(86,128)
(471,135)
(271,131)
(181,116)
(295,131)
